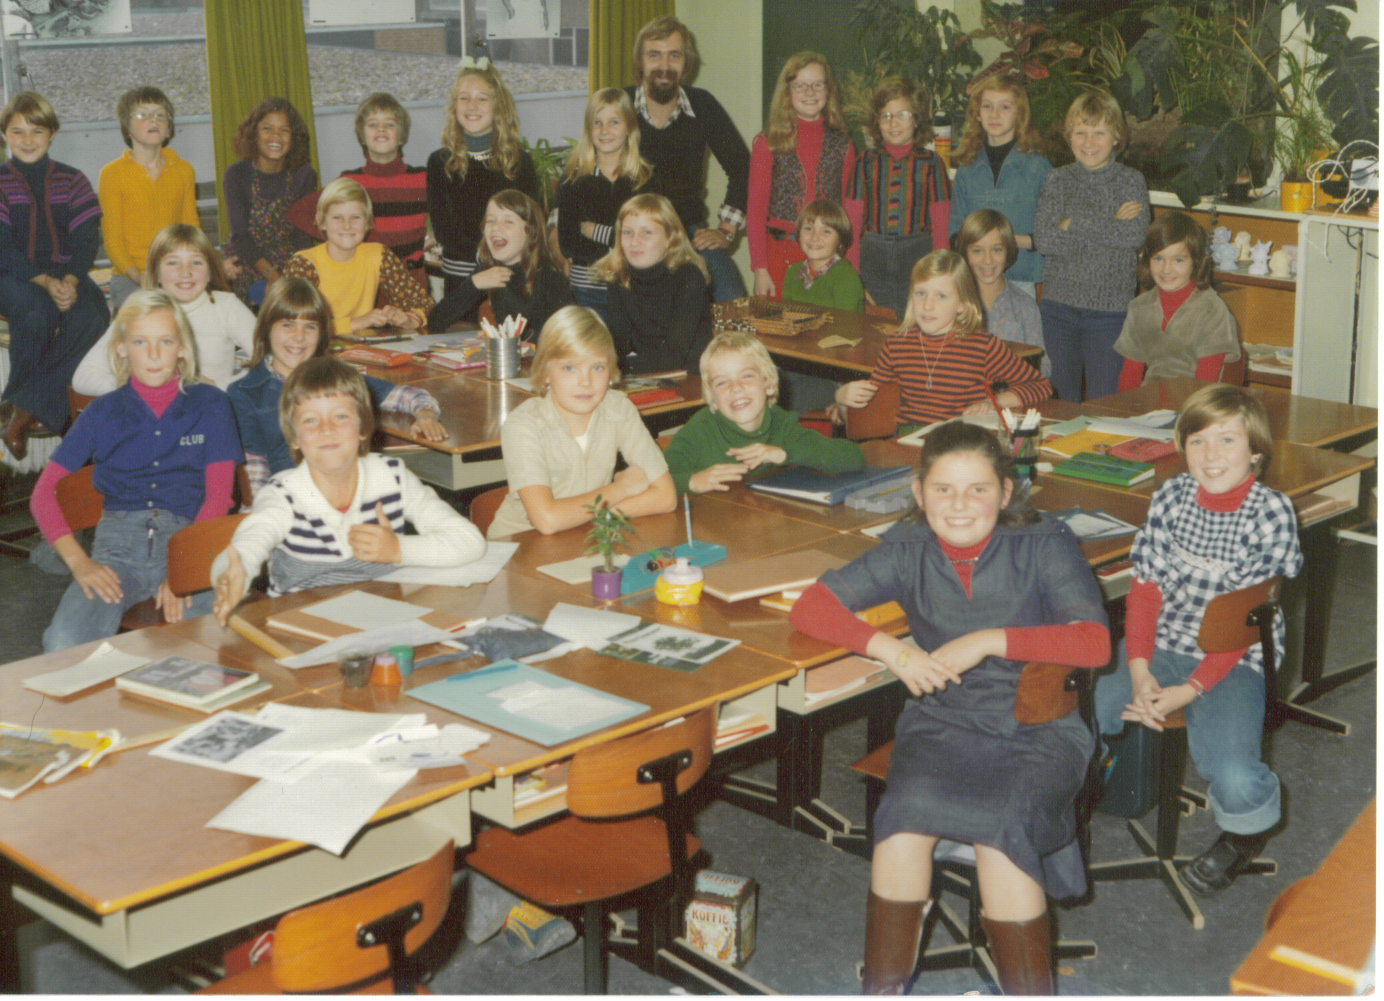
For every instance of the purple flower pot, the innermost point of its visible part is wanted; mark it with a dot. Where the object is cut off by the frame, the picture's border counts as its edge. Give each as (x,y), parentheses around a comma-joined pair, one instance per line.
(605,586)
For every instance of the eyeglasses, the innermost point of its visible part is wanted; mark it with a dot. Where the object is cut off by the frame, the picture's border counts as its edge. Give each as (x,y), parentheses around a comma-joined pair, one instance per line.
(896,116)
(144,116)
(815,87)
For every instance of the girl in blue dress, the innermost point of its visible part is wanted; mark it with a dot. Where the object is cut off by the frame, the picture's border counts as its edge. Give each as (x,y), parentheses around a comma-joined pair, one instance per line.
(986,587)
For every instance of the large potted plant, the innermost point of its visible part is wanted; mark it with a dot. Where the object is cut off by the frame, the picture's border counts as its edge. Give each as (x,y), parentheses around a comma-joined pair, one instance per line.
(609,526)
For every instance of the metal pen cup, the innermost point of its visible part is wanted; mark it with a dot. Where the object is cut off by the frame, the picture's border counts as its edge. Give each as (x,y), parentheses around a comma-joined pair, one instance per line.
(501,357)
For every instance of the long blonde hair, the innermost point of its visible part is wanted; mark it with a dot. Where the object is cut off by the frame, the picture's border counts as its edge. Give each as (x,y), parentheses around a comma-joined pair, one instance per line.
(948,263)
(583,158)
(137,306)
(505,148)
(615,268)
(1026,136)
(781,134)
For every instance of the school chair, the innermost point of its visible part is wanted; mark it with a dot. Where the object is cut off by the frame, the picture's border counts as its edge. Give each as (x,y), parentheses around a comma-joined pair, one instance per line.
(628,831)
(1046,692)
(362,942)
(1232,621)
(483,506)
(883,312)
(877,419)
(191,550)
(77,402)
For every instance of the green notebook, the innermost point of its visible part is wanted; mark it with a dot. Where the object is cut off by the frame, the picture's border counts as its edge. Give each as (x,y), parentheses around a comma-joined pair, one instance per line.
(1104,469)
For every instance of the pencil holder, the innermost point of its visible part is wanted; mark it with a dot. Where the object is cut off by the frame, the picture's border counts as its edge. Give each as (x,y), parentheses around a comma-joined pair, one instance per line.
(501,357)
(1025,453)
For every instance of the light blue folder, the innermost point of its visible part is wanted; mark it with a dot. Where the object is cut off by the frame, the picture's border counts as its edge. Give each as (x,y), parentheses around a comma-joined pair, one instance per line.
(470,695)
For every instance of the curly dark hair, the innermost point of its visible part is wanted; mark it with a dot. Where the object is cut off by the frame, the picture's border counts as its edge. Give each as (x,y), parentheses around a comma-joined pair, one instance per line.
(299,151)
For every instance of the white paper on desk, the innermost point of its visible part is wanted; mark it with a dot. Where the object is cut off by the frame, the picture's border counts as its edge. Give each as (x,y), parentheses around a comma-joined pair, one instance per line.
(413,633)
(526,384)
(578,570)
(481,571)
(590,627)
(315,730)
(229,742)
(364,610)
(1156,425)
(102,664)
(423,342)
(1087,526)
(877,531)
(421,749)
(325,808)
(565,707)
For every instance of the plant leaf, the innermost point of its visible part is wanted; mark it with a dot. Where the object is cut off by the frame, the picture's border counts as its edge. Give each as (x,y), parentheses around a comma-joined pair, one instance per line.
(1208,159)
(1349,91)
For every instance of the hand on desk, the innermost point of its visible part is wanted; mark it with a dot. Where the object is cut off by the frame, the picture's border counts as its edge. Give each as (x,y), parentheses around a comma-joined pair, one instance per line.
(718,477)
(752,456)
(425,425)
(230,588)
(375,543)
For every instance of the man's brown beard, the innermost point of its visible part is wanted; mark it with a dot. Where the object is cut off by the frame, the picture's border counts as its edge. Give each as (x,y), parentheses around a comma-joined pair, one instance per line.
(662,90)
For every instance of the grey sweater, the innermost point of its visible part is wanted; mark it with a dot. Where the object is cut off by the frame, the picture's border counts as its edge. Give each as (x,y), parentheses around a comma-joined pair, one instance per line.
(1091,264)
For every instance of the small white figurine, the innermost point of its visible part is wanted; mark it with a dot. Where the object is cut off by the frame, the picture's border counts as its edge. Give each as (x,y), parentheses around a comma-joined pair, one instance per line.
(1279,264)
(1226,255)
(1259,255)
(1292,251)
(1220,235)
(1243,241)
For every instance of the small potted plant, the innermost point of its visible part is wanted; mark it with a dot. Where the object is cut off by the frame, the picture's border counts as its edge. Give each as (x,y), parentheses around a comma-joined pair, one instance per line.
(608,530)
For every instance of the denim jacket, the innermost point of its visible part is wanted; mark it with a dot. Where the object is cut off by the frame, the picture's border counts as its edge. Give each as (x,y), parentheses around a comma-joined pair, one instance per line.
(1015,197)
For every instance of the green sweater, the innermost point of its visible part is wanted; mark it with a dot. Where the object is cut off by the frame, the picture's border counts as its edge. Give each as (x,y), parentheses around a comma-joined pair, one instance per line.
(839,288)
(703,442)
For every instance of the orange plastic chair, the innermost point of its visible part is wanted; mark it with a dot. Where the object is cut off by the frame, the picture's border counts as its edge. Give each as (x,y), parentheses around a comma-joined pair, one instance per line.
(484,506)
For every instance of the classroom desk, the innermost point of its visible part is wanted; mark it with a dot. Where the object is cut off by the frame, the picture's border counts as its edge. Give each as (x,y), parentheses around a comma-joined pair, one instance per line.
(1300,419)
(1329,914)
(118,856)
(870,331)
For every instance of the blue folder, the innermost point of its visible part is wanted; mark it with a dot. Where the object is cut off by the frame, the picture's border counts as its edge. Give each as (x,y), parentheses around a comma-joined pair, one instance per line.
(802,483)
(469,695)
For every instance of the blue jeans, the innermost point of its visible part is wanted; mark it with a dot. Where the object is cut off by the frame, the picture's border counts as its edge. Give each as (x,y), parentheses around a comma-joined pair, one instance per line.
(593,299)
(1078,338)
(1225,731)
(123,544)
(46,344)
(726,282)
(886,267)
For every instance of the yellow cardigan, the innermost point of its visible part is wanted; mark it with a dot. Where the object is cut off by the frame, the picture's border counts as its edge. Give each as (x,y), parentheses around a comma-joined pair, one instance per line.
(135,207)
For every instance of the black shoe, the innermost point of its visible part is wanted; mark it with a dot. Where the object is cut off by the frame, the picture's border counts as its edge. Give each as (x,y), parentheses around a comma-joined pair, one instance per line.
(1216,868)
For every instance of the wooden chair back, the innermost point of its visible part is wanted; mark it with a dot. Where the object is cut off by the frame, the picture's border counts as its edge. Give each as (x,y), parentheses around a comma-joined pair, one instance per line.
(611,779)
(883,312)
(78,499)
(1226,625)
(483,506)
(242,495)
(77,402)
(1047,692)
(486,311)
(192,550)
(319,947)
(878,418)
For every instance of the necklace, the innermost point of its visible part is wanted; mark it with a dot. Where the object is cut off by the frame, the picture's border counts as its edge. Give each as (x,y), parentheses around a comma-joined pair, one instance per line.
(922,341)
(963,563)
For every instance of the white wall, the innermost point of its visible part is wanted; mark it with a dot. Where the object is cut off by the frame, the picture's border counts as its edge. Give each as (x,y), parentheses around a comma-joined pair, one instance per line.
(732,51)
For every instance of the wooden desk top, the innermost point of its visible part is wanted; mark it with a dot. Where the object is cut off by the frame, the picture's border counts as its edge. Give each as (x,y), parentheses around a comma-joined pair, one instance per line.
(1330,914)
(1300,419)
(870,331)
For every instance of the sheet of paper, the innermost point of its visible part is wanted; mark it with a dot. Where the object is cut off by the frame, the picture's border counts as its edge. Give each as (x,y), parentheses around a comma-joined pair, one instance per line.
(481,571)
(564,707)
(364,610)
(1155,425)
(230,742)
(877,531)
(102,664)
(578,570)
(526,384)
(668,646)
(440,748)
(324,808)
(588,626)
(310,730)
(412,633)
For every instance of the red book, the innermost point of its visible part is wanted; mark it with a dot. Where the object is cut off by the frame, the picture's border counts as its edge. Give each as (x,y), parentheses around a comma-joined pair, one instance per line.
(1143,450)
(648,397)
(376,356)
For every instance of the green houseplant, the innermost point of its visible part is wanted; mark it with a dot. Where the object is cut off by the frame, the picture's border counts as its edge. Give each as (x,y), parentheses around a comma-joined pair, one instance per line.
(609,526)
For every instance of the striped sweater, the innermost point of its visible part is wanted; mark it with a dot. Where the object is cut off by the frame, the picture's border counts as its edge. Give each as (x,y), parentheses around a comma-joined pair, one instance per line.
(69,220)
(902,195)
(937,384)
(306,540)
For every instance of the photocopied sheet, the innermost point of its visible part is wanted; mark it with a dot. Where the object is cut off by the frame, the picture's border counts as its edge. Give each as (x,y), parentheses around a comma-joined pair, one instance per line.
(325,807)
(413,632)
(102,664)
(364,610)
(481,571)
(590,627)
(1089,525)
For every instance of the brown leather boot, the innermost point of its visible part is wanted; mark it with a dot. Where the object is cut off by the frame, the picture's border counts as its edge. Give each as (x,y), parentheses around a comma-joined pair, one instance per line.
(1022,951)
(17,433)
(893,929)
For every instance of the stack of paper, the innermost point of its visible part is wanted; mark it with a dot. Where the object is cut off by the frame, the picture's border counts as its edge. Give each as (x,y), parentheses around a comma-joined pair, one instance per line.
(1088,526)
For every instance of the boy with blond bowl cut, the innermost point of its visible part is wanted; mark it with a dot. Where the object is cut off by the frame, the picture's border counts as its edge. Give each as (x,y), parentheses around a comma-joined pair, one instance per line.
(338,516)
(742,428)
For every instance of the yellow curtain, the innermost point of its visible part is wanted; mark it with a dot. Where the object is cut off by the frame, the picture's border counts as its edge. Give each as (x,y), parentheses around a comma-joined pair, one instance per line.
(614,25)
(255,49)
